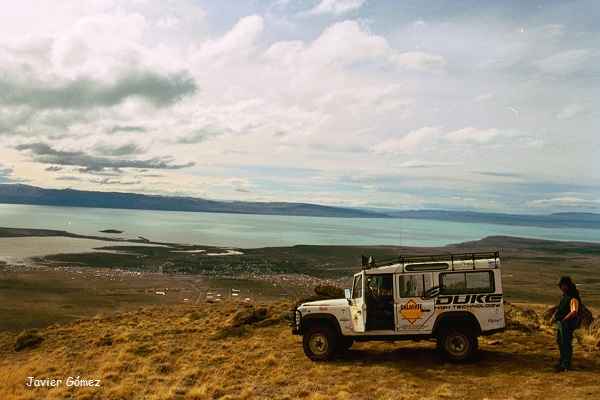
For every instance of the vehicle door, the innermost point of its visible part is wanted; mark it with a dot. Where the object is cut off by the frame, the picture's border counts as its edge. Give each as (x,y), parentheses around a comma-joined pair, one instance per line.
(358,308)
(415,307)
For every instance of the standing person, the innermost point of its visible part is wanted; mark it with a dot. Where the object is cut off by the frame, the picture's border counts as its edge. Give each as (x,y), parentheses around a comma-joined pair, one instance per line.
(566,317)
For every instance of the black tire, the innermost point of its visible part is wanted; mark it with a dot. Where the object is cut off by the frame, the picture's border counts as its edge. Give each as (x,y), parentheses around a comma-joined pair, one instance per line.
(457,345)
(320,343)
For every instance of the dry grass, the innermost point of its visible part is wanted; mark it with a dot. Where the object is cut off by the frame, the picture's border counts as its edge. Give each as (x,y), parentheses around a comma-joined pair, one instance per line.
(179,352)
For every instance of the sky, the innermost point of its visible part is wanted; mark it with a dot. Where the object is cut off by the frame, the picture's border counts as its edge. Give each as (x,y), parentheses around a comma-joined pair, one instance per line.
(446,104)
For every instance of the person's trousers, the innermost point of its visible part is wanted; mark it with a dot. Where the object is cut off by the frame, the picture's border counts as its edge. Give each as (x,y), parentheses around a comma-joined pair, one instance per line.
(564,338)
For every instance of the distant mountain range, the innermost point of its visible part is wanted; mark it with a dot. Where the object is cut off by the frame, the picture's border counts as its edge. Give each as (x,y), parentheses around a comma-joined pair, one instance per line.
(556,220)
(25,194)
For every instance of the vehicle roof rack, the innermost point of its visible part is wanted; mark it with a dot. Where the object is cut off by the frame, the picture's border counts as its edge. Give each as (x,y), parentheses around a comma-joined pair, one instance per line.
(369,261)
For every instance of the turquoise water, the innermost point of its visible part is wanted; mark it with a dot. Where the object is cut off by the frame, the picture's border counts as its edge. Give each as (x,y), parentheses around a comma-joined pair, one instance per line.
(268,230)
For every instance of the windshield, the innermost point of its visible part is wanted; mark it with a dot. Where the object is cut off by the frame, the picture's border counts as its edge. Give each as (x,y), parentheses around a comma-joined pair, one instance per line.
(357,287)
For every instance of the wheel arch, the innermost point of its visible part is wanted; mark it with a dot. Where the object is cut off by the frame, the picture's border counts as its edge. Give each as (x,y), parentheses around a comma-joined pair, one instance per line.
(320,318)
(464,319)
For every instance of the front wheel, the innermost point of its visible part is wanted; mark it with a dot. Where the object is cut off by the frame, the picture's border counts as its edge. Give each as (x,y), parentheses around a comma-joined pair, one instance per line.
(457,346)
(320,343)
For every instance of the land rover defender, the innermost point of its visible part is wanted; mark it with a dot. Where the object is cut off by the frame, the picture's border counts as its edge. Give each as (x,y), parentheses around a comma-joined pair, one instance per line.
(451,298)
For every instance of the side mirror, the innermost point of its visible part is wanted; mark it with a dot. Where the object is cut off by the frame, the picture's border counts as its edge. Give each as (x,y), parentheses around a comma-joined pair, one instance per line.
(347,295)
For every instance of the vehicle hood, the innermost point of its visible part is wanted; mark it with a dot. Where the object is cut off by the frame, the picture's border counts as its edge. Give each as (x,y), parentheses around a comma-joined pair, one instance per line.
(326,303)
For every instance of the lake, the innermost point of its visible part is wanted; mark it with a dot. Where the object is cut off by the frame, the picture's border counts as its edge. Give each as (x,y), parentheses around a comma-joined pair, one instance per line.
(239,230)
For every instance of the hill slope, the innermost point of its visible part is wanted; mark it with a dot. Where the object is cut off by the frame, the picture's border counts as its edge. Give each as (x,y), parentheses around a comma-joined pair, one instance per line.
(191,352)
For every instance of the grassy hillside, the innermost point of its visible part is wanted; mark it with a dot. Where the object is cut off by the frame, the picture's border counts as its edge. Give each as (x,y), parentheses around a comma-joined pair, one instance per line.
(196,352)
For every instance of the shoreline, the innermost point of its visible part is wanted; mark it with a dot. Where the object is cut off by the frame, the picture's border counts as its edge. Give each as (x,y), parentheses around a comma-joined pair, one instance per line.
(7,232)
(34,232)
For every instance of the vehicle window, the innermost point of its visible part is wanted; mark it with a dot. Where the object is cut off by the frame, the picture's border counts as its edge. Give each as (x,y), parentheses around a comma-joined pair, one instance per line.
(410,285)
(357,287)
(427,267)
(466,282)
(427,282)
(454,283)
(480,282)
(380,285)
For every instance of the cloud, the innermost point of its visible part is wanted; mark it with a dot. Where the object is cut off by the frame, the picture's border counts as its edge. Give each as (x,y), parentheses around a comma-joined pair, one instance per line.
(69,178)
(412,142)
(565,62)
(336,7)
(82,93)
(118,150)
(434,138)
(426,164)
(109,181)
(236,42)
(491,136)
(103,172)
(45,154)
(473,135)
(565,202)
(571,111)
(347,43)
(168,22)
(484,97)
(418,60)
(499,174)
(127,129)
(202,134)
(5,173)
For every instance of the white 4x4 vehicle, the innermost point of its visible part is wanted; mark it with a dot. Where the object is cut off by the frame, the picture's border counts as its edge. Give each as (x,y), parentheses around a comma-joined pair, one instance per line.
(453,298)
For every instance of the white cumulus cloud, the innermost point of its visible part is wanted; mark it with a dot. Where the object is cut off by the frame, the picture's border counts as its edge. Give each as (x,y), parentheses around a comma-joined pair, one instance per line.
(473,135)
(336,7)
(238,40)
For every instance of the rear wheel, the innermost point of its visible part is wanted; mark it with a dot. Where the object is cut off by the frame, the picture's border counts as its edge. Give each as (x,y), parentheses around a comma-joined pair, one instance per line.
(320,343)
(457,345)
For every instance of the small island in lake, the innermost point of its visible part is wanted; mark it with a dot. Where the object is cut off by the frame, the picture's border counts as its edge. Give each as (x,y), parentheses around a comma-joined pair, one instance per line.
(116,231)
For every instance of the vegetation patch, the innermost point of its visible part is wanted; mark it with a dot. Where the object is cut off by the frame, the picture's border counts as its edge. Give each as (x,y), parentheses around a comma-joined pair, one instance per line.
(247,316)
(323,292)
(28,339)
(231,332)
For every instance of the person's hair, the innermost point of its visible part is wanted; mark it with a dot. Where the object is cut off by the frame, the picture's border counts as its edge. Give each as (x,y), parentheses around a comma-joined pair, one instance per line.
(571,288)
